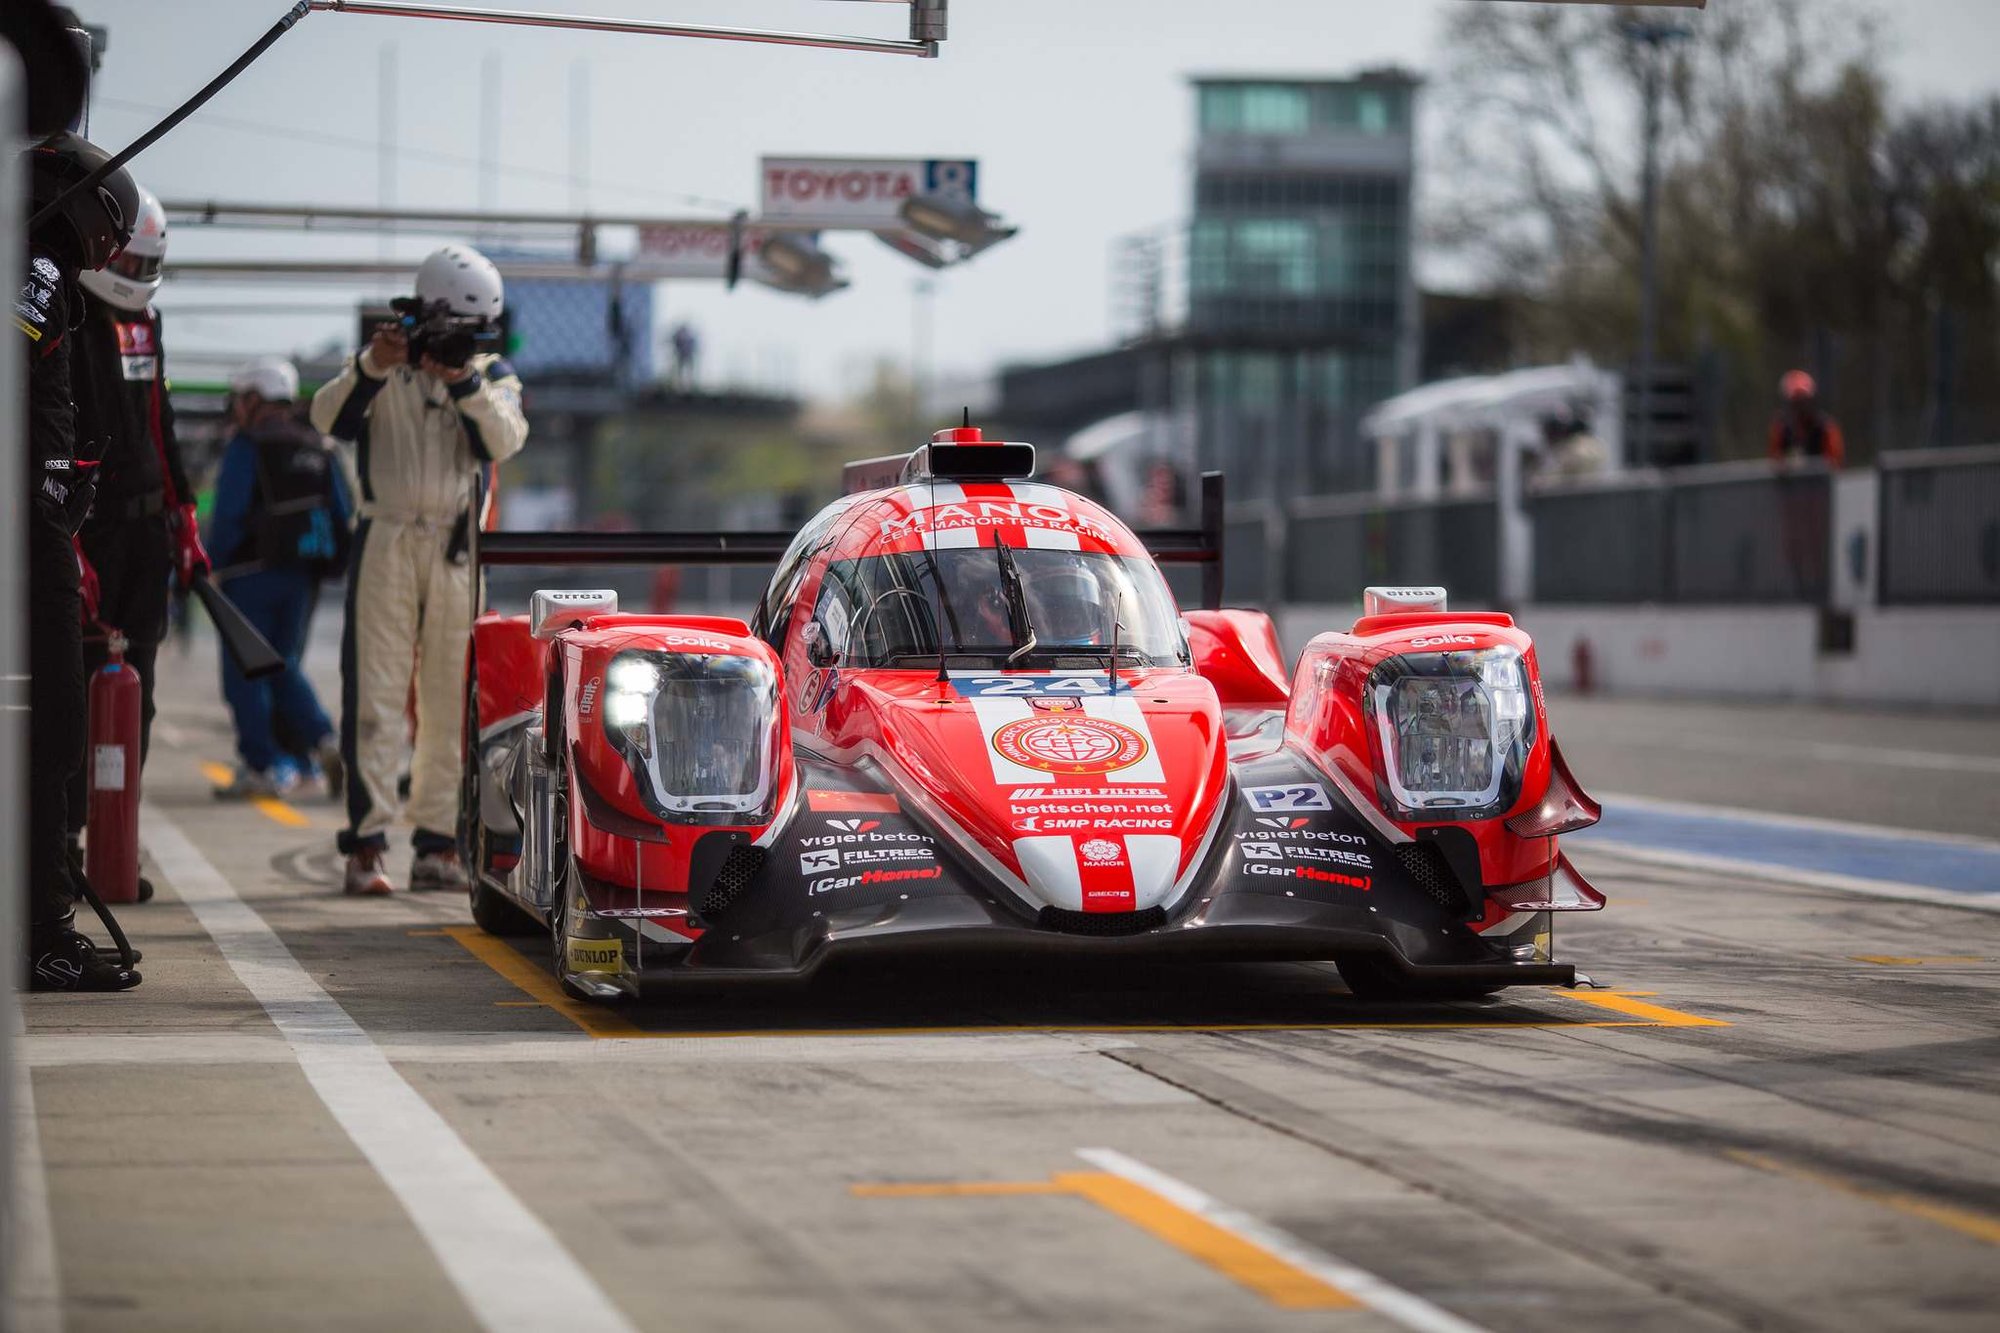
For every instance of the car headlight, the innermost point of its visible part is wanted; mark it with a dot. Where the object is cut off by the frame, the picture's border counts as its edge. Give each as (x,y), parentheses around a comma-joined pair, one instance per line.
(699,731)
(1452,731)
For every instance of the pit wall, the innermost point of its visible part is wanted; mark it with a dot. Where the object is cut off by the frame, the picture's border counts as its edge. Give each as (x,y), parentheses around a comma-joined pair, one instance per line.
(1942,657)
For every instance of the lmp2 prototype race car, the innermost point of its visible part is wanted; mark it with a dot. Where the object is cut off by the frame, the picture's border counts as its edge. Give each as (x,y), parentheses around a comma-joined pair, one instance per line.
(968,715)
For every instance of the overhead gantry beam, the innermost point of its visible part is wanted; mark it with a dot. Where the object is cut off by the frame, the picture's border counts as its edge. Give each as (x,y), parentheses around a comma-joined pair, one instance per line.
(927,25)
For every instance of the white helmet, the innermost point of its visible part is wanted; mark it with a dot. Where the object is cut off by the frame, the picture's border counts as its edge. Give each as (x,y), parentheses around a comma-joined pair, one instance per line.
(132,276)
(463,279)
(272,378)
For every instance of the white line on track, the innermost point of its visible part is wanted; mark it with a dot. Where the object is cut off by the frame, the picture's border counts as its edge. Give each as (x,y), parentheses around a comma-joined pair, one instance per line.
(510,1268)
(34,1305)
(1808,823)
(1834,752)
(52,1050)
(1780,874)
(1387,1300)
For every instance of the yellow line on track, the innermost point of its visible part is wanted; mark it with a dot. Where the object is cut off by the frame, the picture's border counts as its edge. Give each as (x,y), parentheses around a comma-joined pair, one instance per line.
(1979,1226)
(1243,1261)
(1894,960)
(603,1022)
(503,958)
(270,806)
(1654,1015)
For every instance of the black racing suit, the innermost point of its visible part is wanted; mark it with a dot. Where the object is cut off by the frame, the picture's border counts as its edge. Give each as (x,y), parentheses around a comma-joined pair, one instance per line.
(56,722)
(119,380)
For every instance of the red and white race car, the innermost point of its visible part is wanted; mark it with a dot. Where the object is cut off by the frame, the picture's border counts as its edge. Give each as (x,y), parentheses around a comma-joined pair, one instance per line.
(967,714)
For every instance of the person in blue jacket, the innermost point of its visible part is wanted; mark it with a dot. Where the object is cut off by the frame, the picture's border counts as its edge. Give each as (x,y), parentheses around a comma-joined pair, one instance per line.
(280,525)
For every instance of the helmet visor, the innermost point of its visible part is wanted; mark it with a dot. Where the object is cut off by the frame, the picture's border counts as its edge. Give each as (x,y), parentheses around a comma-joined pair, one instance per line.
(136,268)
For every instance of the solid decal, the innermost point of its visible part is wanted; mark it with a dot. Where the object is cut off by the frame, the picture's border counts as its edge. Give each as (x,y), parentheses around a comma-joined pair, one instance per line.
(1091,822)
(1293,796)
(1024,794)
(872,877)
(1305,835)
(1334,855)
(1070,744)
(595,956)
(852,802)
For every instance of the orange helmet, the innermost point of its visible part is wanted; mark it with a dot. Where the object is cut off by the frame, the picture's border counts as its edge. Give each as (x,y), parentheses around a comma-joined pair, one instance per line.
(1796,386)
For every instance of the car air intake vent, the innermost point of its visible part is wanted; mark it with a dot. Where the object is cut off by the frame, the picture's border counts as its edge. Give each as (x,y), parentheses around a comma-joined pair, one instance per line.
(738,869)
(1101,923)
(1425,863)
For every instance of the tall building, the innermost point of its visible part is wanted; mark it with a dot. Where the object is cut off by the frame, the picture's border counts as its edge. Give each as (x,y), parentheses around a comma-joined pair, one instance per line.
(1258,333)
(1302,304)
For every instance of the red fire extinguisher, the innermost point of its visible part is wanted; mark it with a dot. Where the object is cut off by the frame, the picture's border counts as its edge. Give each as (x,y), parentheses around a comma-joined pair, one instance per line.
(111,856)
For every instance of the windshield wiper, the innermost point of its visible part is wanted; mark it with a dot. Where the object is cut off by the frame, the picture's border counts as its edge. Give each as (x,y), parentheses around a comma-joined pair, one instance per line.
(951,616)
(1018,621)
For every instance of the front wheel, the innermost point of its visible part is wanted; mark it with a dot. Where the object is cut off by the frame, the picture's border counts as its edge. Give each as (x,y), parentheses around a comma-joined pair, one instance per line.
(496,914)
(1372,977)
(589,967)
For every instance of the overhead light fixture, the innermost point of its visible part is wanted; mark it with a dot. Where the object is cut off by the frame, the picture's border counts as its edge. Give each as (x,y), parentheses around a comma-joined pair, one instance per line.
(926,252)
(951,218)
(795,263)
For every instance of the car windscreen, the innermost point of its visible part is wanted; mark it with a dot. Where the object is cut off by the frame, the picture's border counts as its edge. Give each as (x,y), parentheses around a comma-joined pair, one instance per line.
(1004,606)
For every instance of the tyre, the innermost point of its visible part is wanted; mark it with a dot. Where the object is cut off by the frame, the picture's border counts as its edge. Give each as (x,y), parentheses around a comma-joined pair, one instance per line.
(1372,977)
(471,848)
(495,913)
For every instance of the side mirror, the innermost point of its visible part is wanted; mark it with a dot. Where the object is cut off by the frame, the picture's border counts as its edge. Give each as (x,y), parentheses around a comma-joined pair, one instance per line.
(819,646)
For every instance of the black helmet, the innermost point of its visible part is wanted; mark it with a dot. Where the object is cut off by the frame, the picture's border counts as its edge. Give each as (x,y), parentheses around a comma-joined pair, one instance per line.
(97,221)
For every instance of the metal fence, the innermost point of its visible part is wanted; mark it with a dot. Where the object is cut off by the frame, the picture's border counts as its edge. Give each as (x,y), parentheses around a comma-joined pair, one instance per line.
(1939,526)
(1338,545)
(1722,534)
(1727,533)
(1601,543)
(1750,537)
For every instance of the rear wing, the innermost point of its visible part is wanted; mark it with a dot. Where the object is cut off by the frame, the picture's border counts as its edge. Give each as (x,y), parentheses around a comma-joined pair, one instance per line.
(1199,545)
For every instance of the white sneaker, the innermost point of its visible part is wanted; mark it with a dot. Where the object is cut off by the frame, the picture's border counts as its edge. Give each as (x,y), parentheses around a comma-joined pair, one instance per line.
(440,872)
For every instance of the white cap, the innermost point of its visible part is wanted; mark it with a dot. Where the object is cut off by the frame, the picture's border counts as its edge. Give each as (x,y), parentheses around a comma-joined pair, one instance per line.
(271,378)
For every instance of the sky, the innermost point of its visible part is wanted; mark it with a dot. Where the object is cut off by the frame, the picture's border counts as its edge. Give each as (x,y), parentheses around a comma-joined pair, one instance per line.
(1079,113)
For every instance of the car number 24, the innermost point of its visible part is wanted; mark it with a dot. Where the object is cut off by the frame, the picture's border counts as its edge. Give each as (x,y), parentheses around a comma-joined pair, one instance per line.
(1030,687)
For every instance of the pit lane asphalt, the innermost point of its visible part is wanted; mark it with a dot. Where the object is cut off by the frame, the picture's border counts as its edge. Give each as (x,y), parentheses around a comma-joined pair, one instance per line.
(1781,1114)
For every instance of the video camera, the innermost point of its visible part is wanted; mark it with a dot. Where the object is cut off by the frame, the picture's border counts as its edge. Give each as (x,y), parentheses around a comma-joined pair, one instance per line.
(434,331)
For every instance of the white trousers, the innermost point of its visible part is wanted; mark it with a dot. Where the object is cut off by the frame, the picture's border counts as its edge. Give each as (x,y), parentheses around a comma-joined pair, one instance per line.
(409,612)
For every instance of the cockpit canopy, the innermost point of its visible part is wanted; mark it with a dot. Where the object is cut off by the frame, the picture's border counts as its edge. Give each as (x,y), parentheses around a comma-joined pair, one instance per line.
(999,605)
